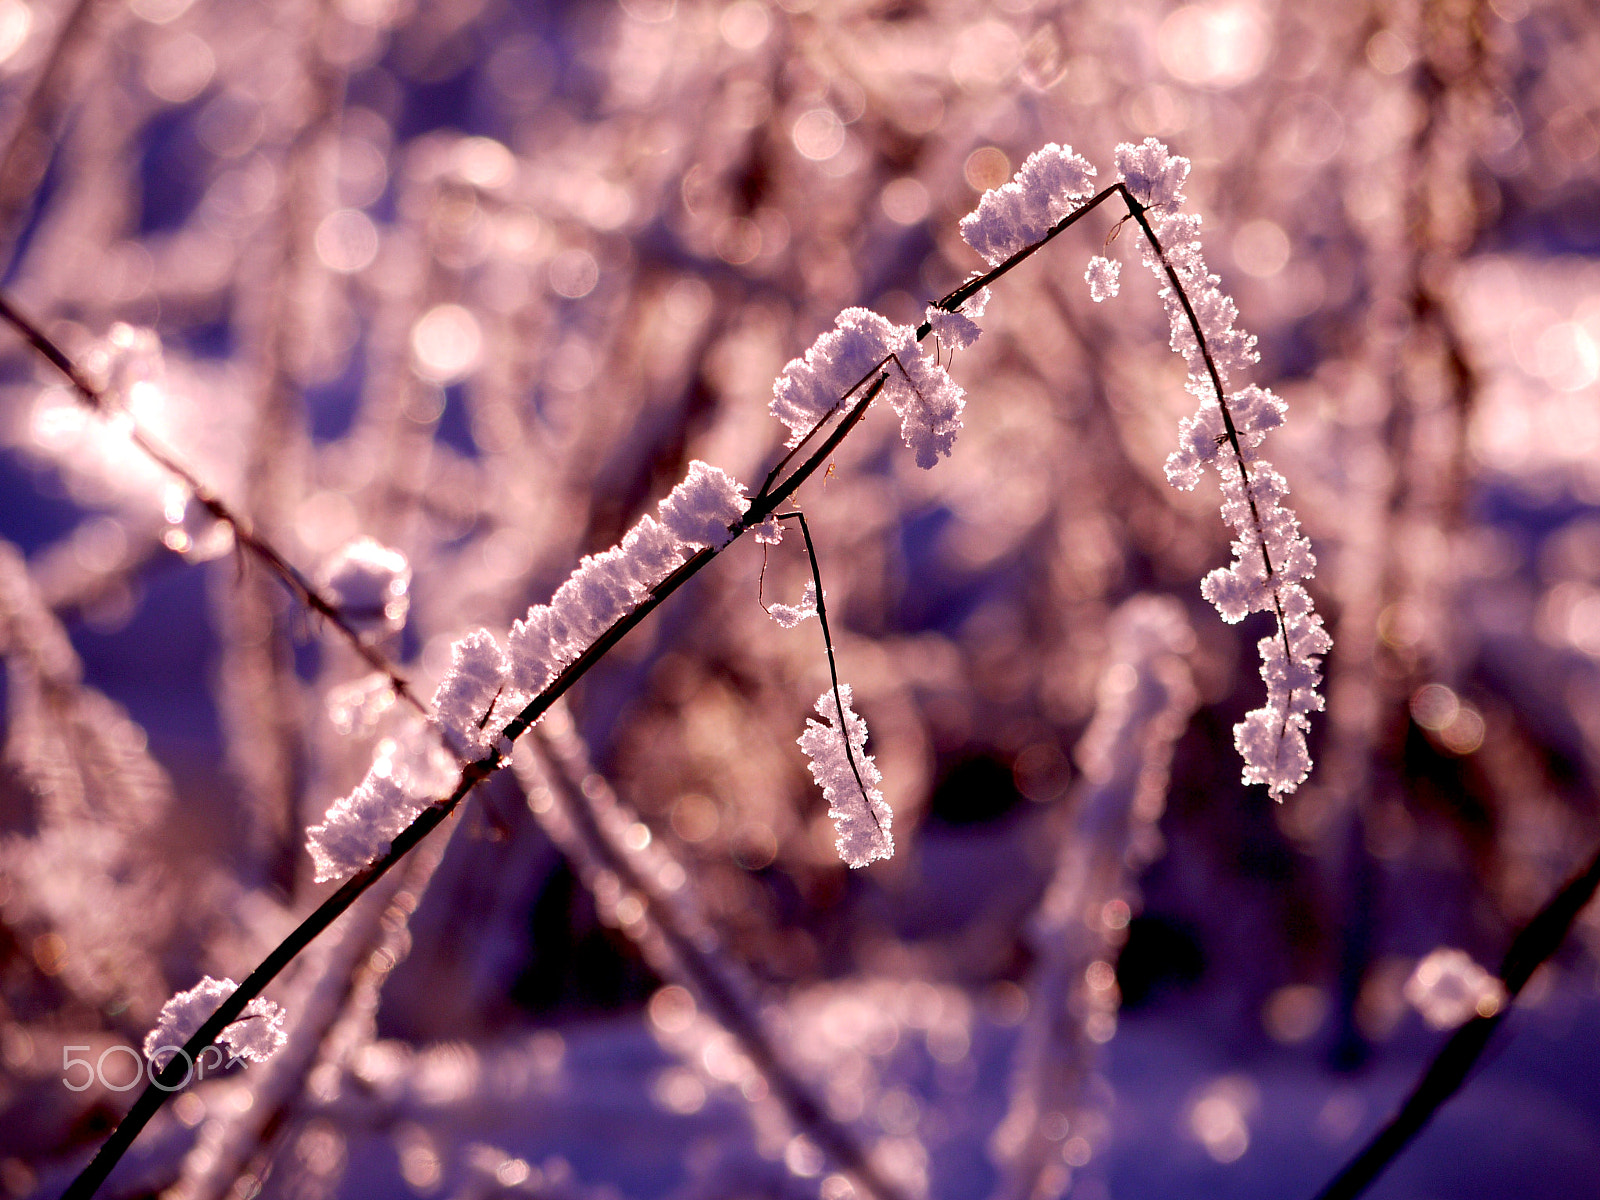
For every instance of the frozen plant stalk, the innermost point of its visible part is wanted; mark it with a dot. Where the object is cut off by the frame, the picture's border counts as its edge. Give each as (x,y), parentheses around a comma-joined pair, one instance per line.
(1271,557)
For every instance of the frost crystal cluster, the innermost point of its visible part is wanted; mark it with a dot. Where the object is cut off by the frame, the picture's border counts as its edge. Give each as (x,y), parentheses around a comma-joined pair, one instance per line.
(487,683)
(256,1035)
(1047,188)
(860,814)
(927,400)
(1271,558)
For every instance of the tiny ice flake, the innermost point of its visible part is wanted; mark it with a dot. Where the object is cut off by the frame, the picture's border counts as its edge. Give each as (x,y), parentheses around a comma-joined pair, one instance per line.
(790,615)
(256,1035)
(1102,278)
(861,820)
(769,532)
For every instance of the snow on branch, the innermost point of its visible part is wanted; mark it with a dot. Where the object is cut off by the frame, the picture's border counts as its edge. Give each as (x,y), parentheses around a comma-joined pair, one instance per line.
(1010,217)
(257,1035)
(487,684)
(928,402)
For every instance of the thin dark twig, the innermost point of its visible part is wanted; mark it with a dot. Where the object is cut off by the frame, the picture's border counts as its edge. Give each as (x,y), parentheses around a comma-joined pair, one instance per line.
(243,533)
(1538,940)
(950,303)
(833,670)
(976,284)
(1136,210)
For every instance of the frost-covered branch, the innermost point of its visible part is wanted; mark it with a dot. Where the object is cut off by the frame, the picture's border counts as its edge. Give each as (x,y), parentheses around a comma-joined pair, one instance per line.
(492,694)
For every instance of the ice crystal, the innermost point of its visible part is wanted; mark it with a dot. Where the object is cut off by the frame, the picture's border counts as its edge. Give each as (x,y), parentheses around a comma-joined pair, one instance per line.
(1102,277)
(465,700)
(790,615)
(860,814)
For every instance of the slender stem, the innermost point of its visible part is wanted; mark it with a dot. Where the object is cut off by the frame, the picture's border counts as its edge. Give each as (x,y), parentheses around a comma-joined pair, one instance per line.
(1541,937)
(1137,211)
(764,504)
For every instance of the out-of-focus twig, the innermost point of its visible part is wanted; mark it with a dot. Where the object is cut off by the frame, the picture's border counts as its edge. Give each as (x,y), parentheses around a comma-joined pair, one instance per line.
(1538,941)
(243,533)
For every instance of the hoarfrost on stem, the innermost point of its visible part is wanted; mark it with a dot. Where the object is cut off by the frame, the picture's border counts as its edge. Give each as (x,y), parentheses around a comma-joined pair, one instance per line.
(465,700)
(256,1035)
(1271,557)
(860,814)
(1013,216)
(812,386)
(408,772)
(928,402)
(701,509)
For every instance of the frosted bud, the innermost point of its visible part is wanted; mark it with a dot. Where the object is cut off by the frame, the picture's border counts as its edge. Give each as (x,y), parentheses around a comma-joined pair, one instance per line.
(1449,989)
(370,584)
